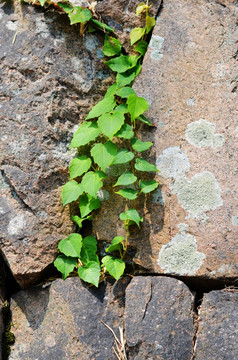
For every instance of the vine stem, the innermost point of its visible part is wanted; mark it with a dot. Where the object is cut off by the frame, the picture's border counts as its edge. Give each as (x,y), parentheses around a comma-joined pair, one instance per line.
(127,237)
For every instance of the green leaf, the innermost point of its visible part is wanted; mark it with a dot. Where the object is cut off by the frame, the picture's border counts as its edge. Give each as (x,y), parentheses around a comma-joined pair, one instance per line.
(116,244)
(109,124)
(123,156)
(66,7)
(136,34)
(122,108)
(143,119)
(126,179)
(89,249)
(141,47)
(65,265)
(87,132)
(130,194)
(71,192)
(102,26)
(150,23)
(102,107)
(79,221)
(71,246)
(111,90)
(136,106)
(125,92)
(103,154)
(88,203)
(79,15)
(114,266)
(90,273)
(148,186)
(91,183)
(143,165)
(112,46)
(140,8)
(122,63)
(79,166)
(133,215)
(139,145)
(125,132)
(42,2)
(127,77)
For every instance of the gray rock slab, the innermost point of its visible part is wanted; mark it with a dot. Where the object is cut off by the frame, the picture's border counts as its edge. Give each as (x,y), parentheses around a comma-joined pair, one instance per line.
(159,319)
(217,330)
(64,321)
(50,77)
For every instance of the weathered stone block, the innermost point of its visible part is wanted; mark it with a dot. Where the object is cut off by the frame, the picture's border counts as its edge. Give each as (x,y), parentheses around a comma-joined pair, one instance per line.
(189,78)
(217,329)
(158,319)
(64,321)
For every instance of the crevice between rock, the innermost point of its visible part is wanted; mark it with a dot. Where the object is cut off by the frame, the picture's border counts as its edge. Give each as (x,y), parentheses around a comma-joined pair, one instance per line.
(15,193)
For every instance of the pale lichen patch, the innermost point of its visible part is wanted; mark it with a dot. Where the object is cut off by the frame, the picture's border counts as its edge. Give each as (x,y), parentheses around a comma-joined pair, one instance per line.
(16,225)
(155,44)
(201,134)
(173,162)
(199,194)
(234,220)
(180,255)
(103,195)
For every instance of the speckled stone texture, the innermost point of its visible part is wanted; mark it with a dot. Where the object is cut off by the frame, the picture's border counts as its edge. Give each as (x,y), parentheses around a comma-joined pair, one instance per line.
(189,77)
(159,319)
(2,299)
(64,321)
(50,78)
(217,331)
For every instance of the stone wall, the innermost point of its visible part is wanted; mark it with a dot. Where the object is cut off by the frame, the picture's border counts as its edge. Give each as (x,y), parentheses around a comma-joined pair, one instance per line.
(50,78)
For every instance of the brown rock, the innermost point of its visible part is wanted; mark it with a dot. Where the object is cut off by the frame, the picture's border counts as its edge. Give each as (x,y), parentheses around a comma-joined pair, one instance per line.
(189,78)
(50,78)
(121,16)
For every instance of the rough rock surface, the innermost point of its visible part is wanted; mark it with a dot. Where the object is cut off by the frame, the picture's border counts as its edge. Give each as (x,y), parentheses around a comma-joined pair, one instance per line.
(64,321)
(217,331)
(189,78)
(2,299)
(159,319)
(120,15)
(50,78)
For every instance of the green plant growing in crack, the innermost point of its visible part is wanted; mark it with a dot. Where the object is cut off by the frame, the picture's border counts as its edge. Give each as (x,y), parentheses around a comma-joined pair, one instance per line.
(109,133)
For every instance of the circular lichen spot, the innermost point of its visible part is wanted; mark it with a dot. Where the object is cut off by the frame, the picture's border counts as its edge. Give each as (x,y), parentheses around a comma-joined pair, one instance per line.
(199,194)
(180,256)
(173,162)
(201,134)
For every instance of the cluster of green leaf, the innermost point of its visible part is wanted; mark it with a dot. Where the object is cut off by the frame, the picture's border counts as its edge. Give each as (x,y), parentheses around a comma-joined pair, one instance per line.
(109,130)
(77,15)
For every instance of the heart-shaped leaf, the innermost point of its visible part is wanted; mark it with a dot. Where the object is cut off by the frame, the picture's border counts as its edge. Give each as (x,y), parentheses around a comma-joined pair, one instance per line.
(126,179)
(71,192)
(114,266)
(103,154)
(79,165)
(109,124)
(90,273)
(71,246)
(87,132)
(65,265)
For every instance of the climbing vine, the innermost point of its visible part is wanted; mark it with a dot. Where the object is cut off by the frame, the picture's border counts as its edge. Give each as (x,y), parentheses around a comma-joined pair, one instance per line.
(109,131)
